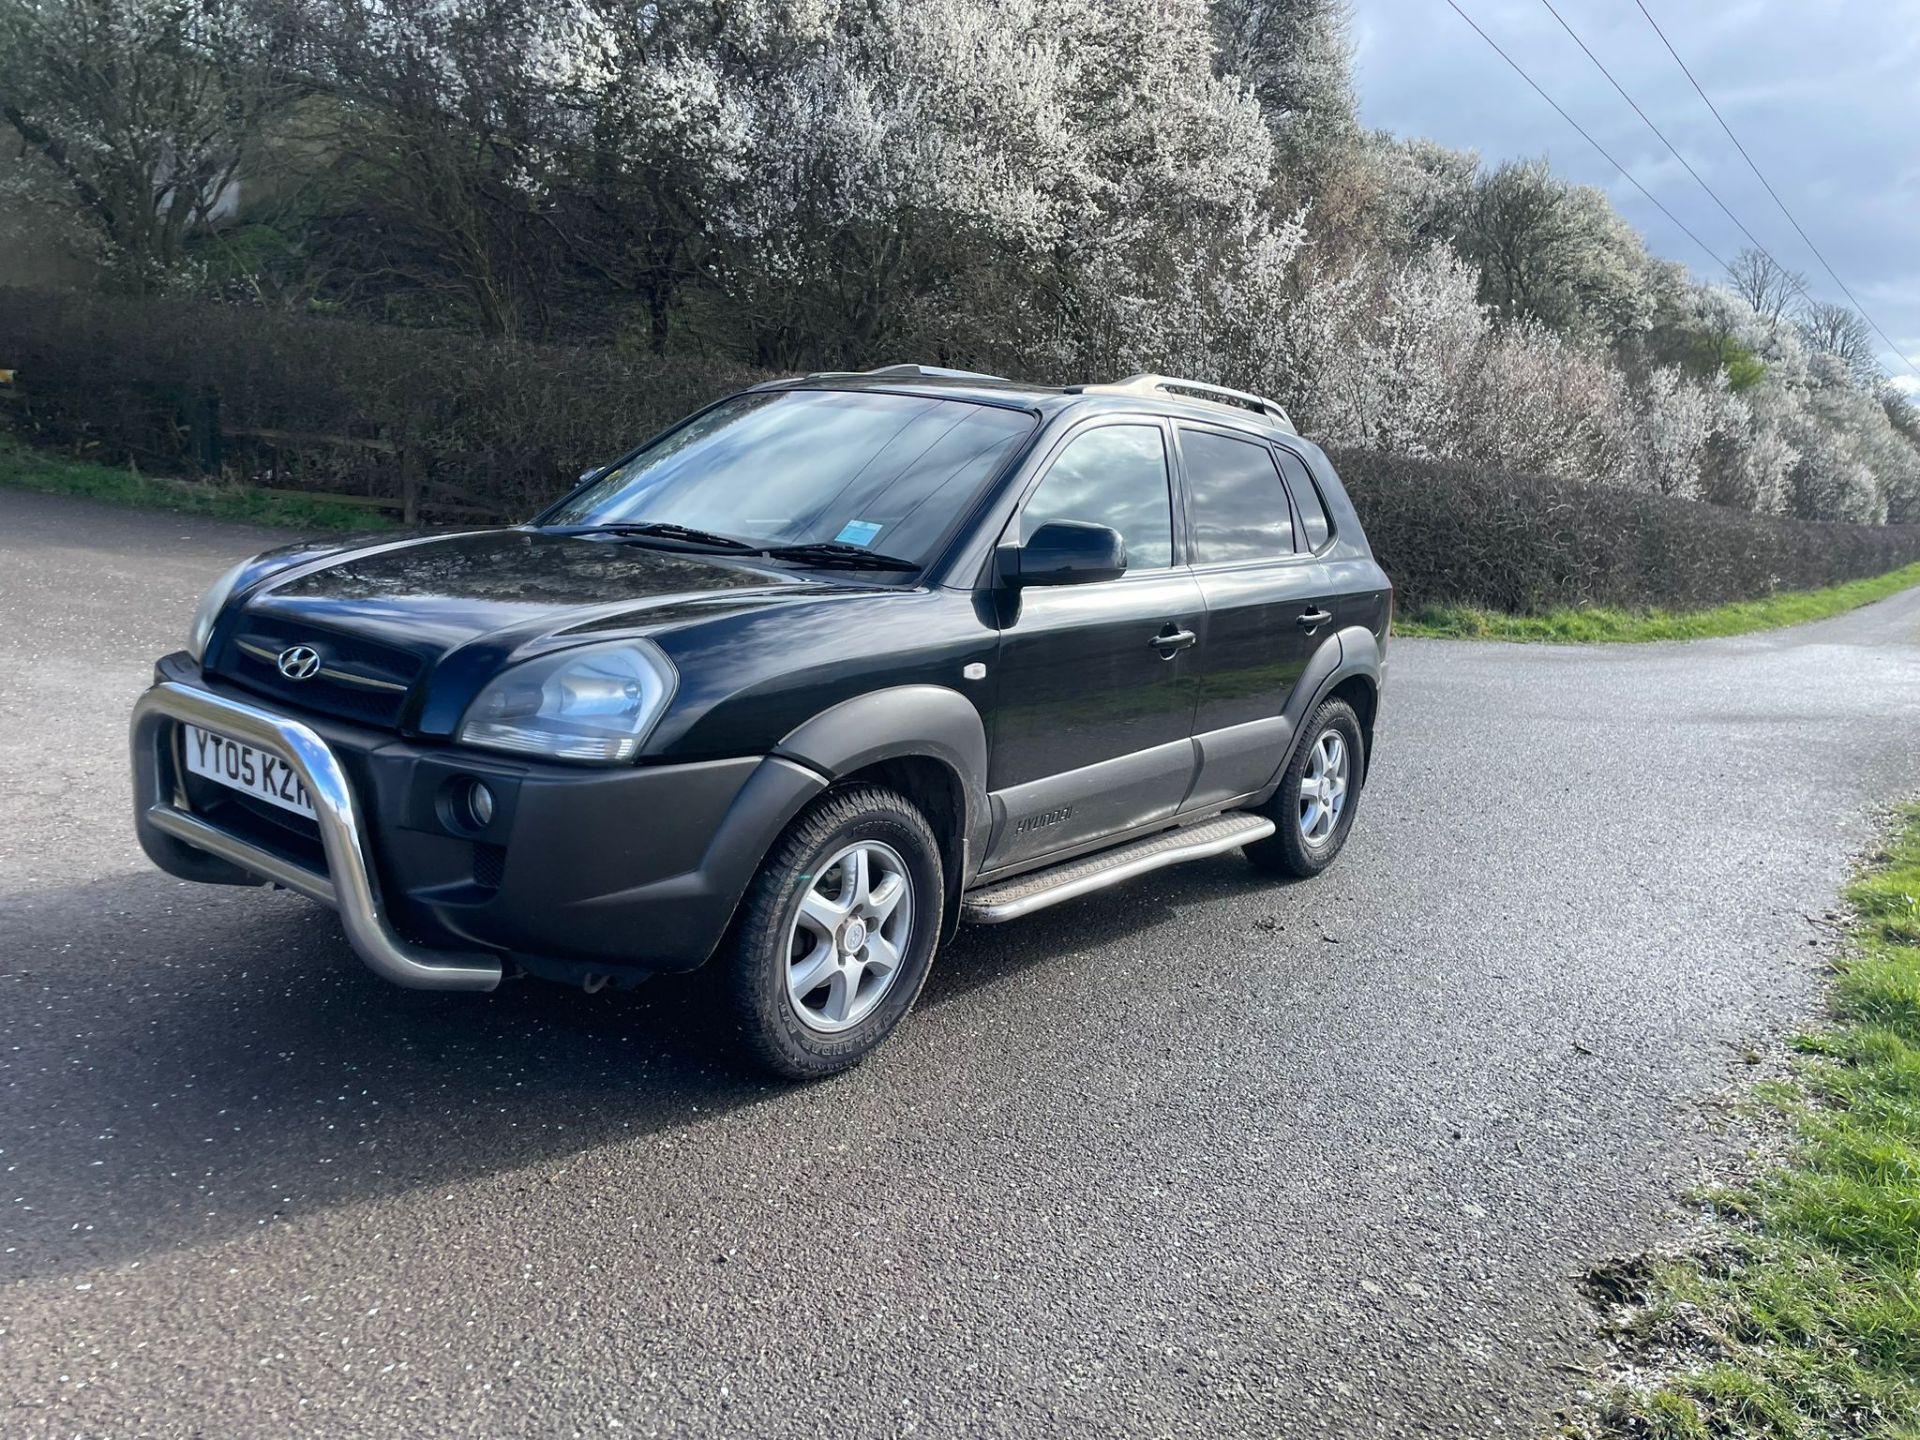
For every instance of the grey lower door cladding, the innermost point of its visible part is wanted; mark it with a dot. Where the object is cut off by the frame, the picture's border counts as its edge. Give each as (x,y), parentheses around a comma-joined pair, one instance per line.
(1106,798)
(1238,760)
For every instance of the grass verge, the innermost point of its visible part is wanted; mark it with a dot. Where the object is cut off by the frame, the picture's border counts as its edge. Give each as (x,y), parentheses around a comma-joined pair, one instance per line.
(24,469)
(1802,1318)
(1581,627)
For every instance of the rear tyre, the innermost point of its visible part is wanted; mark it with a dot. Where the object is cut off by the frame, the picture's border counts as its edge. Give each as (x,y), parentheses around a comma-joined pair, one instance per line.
(836,933)
(1313,809)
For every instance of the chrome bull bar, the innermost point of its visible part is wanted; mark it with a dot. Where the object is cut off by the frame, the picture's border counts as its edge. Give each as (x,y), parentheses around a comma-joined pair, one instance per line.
(348,885)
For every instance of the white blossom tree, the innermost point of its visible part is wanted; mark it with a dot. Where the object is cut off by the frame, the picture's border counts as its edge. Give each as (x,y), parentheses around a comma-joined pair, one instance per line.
(1171,163)
(916,142)
(1671,418)
(1386,353)
(1539,404)
(1295,57)
(143,112)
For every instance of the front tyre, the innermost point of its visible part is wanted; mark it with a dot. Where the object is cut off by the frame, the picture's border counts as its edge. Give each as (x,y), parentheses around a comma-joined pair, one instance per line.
(1314,807)
(836,933)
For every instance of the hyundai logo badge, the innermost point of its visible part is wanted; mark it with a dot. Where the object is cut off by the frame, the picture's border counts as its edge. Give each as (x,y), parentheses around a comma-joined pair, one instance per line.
(298,662)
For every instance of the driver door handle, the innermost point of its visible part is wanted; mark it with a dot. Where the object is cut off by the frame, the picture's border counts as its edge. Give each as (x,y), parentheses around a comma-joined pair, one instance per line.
(1313,619)
(1170,642)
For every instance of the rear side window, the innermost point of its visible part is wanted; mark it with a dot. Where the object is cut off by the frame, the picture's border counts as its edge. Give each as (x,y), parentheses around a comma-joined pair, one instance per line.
(1314,525)
(1114,476)
(1239,505)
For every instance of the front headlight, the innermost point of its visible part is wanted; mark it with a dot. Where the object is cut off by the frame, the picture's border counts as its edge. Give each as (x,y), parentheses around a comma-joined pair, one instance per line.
(209,611)
(594,703)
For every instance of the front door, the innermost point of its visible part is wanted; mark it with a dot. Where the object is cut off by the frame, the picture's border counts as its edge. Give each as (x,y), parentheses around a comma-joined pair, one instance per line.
(1097,681)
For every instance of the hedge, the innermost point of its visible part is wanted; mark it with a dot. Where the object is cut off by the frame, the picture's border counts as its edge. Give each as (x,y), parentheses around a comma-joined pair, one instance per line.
(1522,544)
(473,427)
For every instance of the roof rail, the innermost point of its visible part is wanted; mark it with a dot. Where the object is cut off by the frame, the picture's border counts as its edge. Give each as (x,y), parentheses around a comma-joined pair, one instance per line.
(936,372)
(1192,390)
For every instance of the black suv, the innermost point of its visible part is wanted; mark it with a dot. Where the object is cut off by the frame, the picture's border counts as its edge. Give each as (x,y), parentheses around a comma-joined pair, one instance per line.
(802,682)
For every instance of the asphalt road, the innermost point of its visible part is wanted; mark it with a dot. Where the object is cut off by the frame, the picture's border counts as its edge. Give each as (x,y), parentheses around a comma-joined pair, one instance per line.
(1203,1155)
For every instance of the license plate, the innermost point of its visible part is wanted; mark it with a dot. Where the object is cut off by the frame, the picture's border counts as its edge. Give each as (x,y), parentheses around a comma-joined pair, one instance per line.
(242,767)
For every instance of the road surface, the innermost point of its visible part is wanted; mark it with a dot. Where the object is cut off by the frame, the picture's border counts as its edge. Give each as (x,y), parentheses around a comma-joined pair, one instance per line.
(1203,1155)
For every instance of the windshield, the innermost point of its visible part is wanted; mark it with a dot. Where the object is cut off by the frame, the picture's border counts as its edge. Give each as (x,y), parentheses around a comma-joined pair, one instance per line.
(887,473)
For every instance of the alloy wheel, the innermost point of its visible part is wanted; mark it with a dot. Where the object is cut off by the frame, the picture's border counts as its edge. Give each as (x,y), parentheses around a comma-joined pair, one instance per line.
(847,940)
(1323,788)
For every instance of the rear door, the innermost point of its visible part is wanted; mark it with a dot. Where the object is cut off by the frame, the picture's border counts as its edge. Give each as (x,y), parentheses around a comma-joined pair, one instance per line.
(1265,615)
(1097,682)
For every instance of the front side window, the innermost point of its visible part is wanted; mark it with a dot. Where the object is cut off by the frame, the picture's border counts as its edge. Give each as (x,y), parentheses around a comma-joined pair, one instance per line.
(1239,505)
(886,472)
(1115,476)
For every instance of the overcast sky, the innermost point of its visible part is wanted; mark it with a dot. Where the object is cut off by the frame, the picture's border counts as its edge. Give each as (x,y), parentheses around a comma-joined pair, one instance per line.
(1825,95)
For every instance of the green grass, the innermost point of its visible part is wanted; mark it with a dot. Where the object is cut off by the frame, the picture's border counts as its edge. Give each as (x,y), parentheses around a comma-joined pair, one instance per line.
(1802,1318)
(25,469)
(1582,627)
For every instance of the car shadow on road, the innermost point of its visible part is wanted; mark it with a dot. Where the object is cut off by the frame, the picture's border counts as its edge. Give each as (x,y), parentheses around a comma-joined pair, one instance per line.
(181,1065)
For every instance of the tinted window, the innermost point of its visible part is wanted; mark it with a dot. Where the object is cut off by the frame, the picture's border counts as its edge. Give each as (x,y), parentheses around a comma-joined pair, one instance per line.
(789,466)
(1239,505)
(1114,476)
(1314,524)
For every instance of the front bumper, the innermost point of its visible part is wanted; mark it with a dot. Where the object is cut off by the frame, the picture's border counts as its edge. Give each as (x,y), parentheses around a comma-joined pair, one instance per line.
(347,884)
(582,873)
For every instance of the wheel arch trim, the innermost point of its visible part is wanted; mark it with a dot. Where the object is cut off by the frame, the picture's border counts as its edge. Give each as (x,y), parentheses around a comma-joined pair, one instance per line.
(903,722)
(1345,655)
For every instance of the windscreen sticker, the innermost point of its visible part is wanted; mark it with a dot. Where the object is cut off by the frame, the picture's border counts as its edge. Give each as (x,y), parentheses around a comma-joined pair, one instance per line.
(857,532)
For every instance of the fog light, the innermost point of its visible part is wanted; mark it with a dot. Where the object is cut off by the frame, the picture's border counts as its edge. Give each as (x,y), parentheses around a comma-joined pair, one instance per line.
(478,804)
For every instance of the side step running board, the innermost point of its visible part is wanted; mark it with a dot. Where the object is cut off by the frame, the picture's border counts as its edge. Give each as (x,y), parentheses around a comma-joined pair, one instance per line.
(1023,894)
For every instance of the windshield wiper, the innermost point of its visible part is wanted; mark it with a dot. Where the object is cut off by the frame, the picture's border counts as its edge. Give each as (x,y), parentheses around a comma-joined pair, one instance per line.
(816,552)
(837,553)
(667,530)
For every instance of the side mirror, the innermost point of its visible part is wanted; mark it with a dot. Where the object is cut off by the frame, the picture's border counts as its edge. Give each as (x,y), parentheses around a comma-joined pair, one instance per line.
(1066,552)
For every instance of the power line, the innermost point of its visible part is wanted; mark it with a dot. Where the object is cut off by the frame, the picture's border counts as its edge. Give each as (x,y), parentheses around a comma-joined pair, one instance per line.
(1767,183)
(1785,274)
(1628,174)
(1659,134)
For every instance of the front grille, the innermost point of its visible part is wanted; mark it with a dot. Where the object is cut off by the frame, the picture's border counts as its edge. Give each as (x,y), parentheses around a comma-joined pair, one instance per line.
(358,680)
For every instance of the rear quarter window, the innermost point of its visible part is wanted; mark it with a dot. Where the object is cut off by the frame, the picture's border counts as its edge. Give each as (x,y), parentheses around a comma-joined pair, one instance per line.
(1315,527)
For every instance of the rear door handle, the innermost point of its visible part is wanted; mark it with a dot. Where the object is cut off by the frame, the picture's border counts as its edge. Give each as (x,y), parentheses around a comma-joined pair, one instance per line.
(1313,619)
(1170,642)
